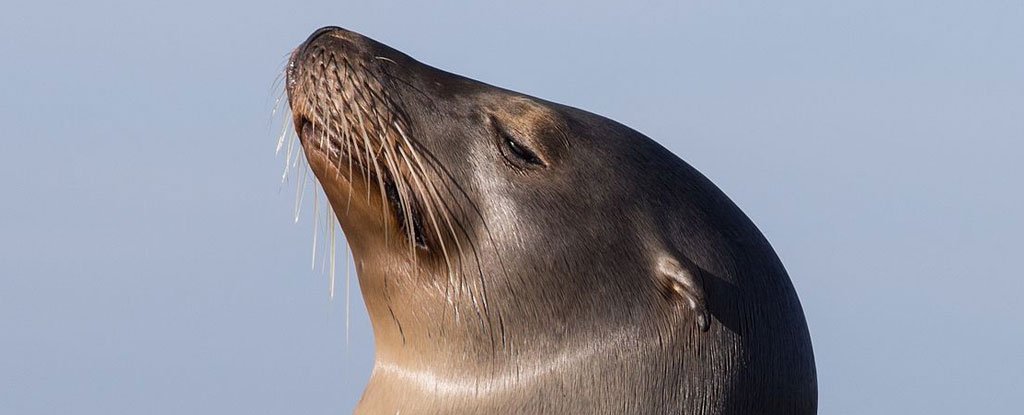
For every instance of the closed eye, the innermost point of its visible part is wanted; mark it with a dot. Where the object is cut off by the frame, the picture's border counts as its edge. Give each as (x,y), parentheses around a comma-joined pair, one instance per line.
(518,150)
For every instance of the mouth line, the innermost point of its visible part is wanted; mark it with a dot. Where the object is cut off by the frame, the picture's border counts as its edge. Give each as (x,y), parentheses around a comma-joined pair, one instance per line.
(332,150)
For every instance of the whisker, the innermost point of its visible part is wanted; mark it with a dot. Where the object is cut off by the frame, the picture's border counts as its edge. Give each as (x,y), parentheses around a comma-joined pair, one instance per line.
(377,173)
(348,297)
(300,193)
(316,220)
(334,243)
(288,160)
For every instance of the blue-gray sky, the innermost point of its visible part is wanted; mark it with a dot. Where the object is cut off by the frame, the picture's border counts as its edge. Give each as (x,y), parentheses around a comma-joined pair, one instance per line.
(149,263)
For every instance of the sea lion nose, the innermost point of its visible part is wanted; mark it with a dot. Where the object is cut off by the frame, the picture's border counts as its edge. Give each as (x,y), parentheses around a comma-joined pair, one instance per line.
(316,34)
(321,31)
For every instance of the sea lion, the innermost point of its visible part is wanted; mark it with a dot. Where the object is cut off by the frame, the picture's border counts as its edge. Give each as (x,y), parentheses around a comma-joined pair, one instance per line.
(521,256)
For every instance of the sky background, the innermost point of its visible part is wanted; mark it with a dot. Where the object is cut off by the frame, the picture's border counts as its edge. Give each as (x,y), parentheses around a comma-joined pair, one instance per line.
(149,262)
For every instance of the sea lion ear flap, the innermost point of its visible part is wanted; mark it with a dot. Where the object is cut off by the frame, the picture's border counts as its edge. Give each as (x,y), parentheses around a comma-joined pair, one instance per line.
(685,285)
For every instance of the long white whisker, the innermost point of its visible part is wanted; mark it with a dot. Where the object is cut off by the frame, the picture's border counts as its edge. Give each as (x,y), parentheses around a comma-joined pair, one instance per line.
(300,193)
(285,130)
(288,159)
(334,242)
(316,220)
(348,296)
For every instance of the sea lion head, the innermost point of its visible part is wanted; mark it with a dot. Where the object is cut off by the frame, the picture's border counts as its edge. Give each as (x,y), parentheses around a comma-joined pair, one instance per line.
(492,230)
(467,202)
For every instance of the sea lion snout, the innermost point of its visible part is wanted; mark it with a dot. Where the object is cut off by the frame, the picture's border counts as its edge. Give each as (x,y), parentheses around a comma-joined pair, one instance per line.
(333,38)
(350,115)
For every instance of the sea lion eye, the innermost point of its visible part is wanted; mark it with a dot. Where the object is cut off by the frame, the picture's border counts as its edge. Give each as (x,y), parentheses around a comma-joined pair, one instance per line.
(520,151)
(515,151)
